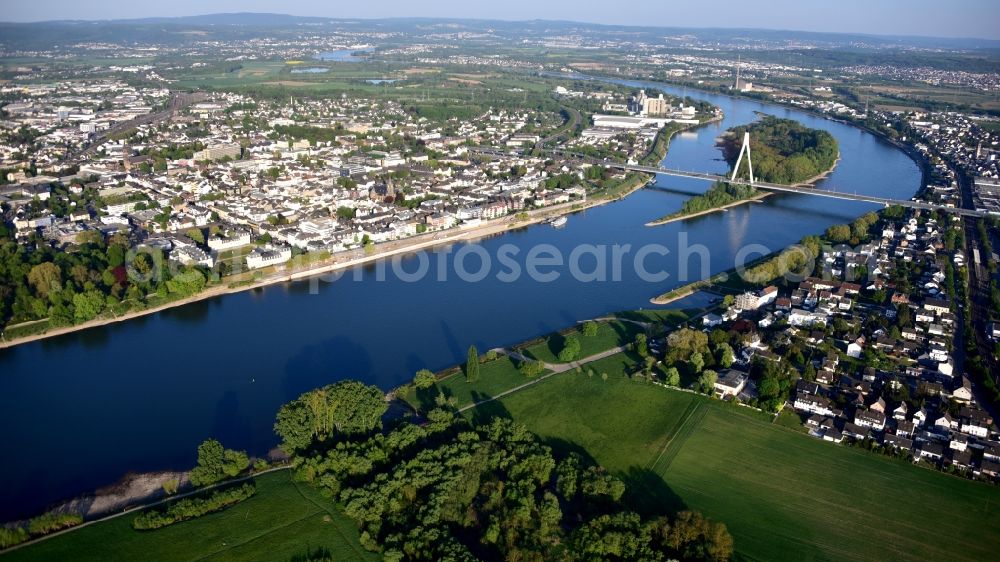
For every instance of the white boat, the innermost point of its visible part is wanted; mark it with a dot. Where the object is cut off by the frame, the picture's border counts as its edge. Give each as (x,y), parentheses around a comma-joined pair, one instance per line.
(559,221)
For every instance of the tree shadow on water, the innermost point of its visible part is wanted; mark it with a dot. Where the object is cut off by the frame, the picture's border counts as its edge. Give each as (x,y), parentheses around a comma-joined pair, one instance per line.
(229,425)
(325,363)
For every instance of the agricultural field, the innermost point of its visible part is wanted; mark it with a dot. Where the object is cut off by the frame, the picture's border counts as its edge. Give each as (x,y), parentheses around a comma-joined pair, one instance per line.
(283,519)
(783,495)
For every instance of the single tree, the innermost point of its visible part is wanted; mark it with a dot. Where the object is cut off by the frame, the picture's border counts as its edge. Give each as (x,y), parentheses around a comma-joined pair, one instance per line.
(707,381)
(424,379)
(697,362)
(672,376)
(641,345)
(472,365)
(724,354)
(45,278)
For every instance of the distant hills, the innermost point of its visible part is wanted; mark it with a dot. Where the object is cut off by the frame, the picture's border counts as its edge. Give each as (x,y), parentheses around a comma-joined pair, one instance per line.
(237,18)
(165,30)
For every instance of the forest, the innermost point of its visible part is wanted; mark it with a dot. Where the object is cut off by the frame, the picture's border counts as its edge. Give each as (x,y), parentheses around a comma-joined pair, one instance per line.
(783,151)
(451,490)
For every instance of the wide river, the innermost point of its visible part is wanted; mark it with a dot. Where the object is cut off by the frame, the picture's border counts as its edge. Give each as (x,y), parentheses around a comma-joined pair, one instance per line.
(82,410)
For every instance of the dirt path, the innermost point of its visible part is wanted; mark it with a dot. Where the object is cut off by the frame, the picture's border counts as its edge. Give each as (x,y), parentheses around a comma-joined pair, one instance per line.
(556,368)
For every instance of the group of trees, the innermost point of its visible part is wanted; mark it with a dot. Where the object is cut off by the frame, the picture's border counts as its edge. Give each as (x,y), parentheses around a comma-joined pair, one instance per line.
(698,355)
(783,150)
(570,350)
(70,287)
(560,181)
(775,382)
(798,260)
(38,526)
(854,233)
(336,411)
(189,508)
(312,134)
(447,490)
(216,463)
(719,195)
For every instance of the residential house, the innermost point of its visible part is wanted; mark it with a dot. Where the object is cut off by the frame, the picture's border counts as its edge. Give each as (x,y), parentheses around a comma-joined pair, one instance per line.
(870,418)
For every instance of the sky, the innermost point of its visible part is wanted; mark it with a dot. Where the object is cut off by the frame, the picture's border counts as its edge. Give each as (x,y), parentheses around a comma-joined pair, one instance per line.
(939,18)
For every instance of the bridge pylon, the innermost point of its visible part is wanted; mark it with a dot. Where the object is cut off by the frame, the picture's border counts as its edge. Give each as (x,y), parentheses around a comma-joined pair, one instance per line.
(745,149)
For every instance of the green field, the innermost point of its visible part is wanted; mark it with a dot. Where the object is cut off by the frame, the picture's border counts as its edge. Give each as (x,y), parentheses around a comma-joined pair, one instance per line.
(670,317)
(494,377)
(783,495)
(609,334)
(283,520)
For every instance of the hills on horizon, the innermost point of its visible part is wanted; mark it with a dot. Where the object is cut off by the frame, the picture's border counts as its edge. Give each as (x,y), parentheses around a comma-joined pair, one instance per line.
(277,20)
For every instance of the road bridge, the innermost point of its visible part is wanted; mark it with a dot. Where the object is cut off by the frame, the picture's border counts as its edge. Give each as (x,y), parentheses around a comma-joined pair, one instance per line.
(833,194)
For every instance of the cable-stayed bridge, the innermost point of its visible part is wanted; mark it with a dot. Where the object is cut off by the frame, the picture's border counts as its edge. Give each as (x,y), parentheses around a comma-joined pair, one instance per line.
(834,194)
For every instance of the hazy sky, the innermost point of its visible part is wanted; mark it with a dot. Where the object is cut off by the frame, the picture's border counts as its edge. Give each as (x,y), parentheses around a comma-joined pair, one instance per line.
(944,18)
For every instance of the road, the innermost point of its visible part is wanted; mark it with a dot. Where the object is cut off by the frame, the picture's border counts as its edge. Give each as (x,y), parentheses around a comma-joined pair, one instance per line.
(570,125)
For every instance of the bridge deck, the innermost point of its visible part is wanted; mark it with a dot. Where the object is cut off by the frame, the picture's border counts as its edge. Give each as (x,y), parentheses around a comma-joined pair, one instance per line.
(760,185)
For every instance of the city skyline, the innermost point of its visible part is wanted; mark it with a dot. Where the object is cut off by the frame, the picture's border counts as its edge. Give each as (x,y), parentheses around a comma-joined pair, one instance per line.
(965,19)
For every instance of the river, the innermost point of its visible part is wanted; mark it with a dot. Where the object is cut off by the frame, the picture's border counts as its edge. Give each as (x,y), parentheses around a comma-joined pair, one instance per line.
(83,409)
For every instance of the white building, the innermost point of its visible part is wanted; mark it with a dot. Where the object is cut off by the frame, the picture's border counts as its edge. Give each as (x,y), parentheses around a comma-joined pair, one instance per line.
(191,255)
(813,404)
(237,240)
(265,257)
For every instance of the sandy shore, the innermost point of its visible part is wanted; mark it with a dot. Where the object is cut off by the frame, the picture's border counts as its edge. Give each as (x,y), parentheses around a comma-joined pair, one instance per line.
(683,293)
(347,260)
(759,197)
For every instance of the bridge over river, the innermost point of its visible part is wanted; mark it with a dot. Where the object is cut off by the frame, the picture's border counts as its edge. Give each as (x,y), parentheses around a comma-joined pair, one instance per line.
(831,193)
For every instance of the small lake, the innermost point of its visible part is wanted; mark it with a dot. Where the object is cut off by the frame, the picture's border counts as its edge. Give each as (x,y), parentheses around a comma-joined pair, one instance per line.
(342,55)
(310,70)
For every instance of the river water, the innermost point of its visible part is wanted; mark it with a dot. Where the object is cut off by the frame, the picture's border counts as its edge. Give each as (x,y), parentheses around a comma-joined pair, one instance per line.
(83,409)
